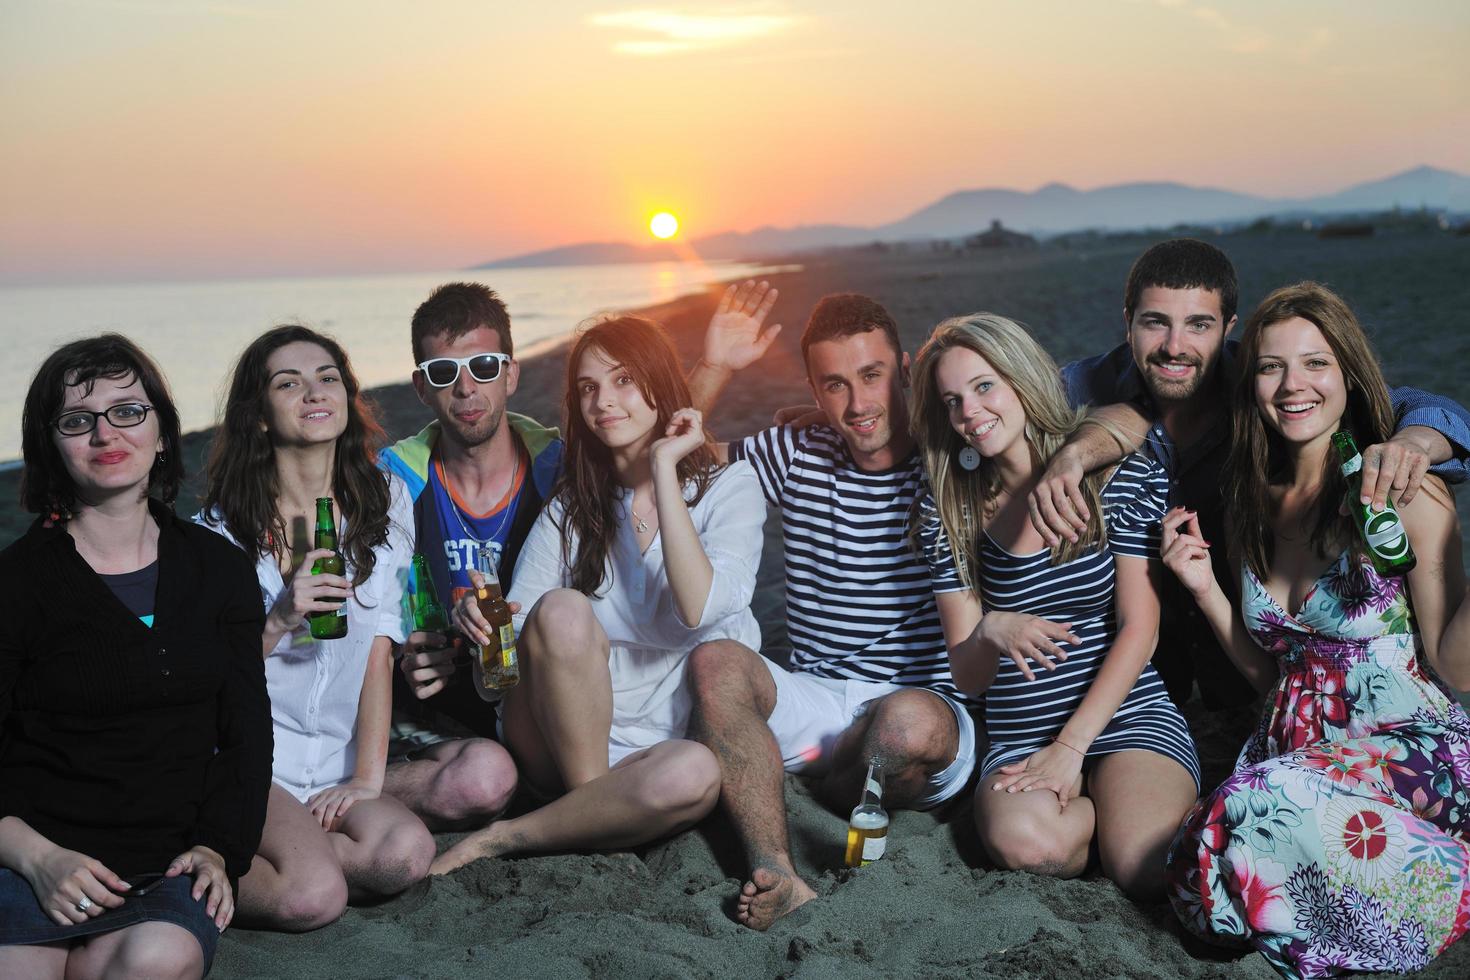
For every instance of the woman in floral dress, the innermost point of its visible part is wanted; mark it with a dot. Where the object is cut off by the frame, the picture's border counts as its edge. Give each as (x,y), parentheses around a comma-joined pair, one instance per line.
(1340,841)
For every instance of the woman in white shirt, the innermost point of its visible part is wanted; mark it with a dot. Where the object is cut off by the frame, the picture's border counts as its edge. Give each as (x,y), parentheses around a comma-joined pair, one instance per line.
(648,549)
(295,430)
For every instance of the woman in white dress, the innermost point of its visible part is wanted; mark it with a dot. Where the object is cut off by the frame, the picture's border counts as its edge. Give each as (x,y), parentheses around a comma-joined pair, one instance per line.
(295,430)
(648,549)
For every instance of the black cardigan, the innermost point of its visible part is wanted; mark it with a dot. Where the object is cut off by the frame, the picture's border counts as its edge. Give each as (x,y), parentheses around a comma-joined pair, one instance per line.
(126,743)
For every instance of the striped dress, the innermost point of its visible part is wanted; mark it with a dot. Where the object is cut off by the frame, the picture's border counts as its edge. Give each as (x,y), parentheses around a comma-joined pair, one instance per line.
(1022,716)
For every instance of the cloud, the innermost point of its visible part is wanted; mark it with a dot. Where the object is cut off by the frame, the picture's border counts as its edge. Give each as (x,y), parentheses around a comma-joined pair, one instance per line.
(671,30)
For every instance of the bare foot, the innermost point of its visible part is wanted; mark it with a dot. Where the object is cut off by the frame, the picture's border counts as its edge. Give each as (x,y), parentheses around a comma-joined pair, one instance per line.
(470,848)
(768,895)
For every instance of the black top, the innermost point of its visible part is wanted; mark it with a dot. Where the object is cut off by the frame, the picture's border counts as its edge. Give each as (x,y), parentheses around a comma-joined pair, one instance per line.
(136,590)
(126,743)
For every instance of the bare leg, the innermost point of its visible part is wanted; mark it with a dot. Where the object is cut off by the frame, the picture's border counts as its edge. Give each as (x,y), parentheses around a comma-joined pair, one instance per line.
(295,882)
(1141,799)
(156,950)
(40,962)
(913,733)
(733,697)
(1033,831)
(651,794)
(462,783)
(382,848)
(557,719)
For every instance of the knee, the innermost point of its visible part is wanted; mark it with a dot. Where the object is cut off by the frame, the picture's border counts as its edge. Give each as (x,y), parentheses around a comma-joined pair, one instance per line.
(171,955)
(477,784)
(407,852)
(314,899)
(562,625)
(718,673)
(685,783)
(913,727)
(1023,845)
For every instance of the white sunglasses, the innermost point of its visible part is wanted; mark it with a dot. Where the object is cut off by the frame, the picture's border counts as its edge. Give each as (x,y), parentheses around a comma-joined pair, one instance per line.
(444,371)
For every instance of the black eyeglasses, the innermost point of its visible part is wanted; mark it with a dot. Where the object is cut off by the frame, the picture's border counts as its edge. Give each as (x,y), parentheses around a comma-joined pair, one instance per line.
(444,371)
(123,416)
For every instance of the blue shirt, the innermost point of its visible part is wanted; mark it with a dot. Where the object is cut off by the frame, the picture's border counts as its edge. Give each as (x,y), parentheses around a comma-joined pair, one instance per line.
(465,532)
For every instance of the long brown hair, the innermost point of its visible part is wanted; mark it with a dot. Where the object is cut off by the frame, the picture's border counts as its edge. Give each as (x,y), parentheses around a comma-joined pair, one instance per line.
(242,473)
(644,351)
(965,499)
(1258,456)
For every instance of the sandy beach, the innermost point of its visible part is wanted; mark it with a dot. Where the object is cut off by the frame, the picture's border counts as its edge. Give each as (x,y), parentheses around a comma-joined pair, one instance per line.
(933,907)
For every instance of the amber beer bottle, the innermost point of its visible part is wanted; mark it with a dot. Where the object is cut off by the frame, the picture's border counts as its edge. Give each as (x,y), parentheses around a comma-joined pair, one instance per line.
(327,625)
(500,667)
(428,613)
(867,831)
(1382,530)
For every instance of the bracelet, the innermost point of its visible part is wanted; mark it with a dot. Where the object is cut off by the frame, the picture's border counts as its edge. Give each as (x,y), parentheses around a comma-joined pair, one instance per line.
(1058,739)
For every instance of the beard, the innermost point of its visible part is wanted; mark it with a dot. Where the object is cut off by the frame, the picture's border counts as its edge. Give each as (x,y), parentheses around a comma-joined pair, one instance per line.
(481,431)
(1168,389)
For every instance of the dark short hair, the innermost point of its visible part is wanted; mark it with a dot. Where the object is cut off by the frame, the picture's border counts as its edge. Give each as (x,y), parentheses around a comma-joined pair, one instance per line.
(45,485)
(846,315)
(1182,263)
(455,309)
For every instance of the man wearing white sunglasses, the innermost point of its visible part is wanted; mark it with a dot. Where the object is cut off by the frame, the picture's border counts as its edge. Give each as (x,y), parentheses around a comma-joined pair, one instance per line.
(478,475)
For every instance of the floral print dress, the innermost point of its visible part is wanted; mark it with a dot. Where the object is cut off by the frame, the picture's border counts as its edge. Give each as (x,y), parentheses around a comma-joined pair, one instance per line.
(1342,840)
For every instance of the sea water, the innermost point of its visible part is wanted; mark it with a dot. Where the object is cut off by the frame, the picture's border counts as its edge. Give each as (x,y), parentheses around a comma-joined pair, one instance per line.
(196,330)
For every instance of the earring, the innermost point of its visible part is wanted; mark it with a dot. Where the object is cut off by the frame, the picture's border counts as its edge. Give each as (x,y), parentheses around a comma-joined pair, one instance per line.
(970,458)
(160,459)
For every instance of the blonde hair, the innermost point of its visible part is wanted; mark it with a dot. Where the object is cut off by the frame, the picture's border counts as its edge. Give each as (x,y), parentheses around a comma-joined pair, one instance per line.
(966,499)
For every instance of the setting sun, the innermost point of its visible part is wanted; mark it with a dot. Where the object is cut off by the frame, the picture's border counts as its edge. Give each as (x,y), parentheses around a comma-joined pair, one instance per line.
(663,225)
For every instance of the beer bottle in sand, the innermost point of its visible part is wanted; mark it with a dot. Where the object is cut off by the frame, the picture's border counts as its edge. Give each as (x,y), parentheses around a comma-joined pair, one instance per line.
(867,831)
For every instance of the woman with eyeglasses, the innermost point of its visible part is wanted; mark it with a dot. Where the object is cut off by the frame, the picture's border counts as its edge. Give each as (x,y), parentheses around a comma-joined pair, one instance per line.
(135,739)
(647,550)
(296,429)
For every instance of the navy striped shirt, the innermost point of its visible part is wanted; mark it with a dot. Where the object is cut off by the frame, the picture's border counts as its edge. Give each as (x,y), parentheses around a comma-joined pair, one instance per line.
(1021,715)
(859,603)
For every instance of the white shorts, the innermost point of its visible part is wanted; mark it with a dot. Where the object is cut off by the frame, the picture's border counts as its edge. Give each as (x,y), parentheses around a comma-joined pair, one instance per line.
(811,712)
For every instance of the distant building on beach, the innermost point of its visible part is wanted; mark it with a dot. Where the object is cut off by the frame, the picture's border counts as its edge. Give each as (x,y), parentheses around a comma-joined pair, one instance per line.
(998,236)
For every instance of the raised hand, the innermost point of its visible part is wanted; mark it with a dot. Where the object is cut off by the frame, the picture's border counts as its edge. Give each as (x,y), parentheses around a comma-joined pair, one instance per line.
(1186,553)
(1022,637)
(683,435)
(210,879)
(734,338)
(307,593)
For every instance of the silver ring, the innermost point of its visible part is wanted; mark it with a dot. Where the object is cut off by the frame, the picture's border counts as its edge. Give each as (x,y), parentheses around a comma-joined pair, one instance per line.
(84,904)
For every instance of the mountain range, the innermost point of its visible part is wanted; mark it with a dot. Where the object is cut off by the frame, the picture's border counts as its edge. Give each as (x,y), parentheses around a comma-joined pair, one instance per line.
(1048,210)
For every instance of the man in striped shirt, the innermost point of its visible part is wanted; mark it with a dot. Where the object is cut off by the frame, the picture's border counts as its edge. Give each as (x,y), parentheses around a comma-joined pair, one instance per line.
(869,676)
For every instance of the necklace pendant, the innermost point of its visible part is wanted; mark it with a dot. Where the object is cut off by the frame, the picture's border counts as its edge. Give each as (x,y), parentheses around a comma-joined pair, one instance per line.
(641,526)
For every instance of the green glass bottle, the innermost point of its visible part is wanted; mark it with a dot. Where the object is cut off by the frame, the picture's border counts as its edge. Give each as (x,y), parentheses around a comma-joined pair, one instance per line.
(1383,532)
(327,625)
(428,612)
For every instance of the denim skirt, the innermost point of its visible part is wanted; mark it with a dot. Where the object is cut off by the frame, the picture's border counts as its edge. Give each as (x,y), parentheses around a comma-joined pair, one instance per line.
(24,923)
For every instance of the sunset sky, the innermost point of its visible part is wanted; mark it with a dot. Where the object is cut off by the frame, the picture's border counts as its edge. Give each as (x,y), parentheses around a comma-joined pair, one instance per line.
(151,139)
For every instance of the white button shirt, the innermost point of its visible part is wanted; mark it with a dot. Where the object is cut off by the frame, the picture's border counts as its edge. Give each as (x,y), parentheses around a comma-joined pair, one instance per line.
(315,685)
